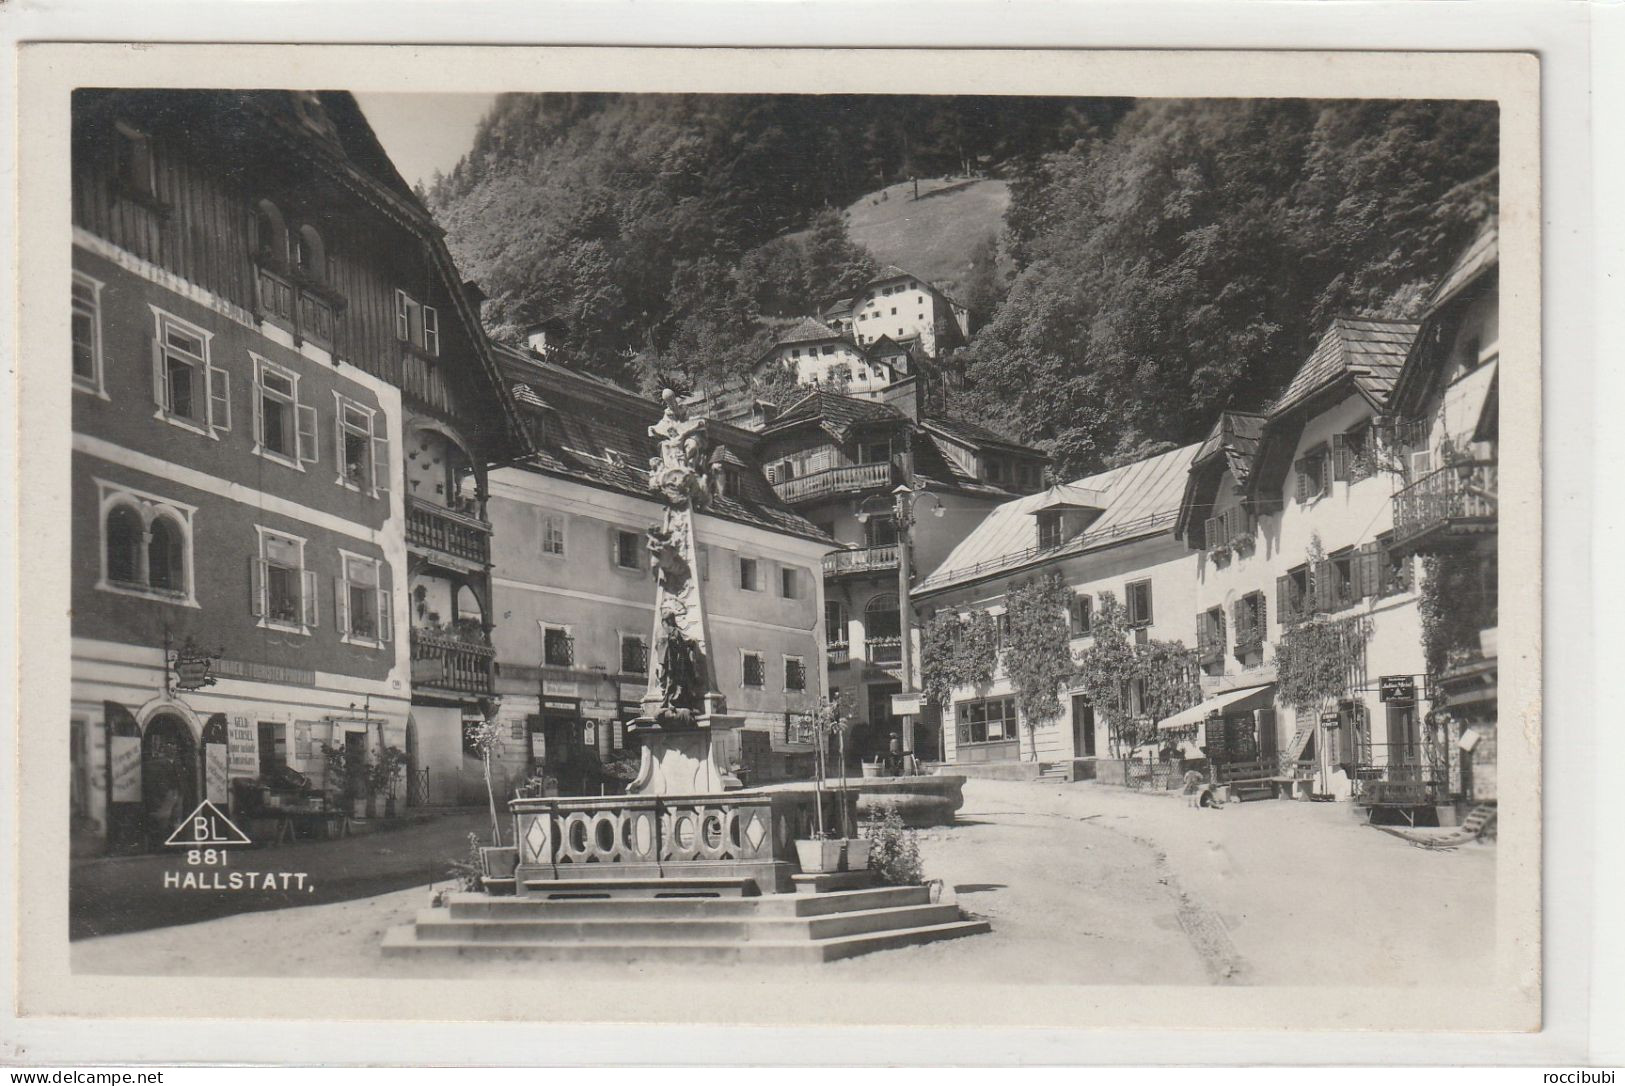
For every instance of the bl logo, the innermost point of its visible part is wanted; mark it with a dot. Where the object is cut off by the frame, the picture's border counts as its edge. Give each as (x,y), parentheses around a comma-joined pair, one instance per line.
(208,825)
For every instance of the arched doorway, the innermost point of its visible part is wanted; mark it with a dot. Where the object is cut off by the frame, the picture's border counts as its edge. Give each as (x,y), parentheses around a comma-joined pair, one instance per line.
(169,772)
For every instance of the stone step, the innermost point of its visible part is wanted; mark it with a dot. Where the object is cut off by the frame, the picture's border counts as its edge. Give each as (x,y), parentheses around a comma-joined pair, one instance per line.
(407,942)
(477,906)
(434,924)
(557,889)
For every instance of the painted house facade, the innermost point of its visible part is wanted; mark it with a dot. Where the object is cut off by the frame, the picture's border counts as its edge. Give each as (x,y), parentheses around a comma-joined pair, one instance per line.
(1290,516)
(837,461)
(899,306)
(1112,532)
(241,395)
(572,568)
(1446,414)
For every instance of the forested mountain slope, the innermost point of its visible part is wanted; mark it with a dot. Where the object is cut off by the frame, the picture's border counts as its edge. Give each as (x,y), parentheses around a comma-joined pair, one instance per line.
(650,224)
(1188,261)
(1161,260)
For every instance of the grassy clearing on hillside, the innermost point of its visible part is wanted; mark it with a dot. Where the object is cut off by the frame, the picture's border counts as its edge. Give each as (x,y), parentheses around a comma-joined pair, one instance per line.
(934,235)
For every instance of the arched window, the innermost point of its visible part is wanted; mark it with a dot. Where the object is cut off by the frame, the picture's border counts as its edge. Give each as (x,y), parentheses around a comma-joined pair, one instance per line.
(882,630)
(310,254)
(836,620)
(166,568)
(270,233)
(880,618)
(124,532)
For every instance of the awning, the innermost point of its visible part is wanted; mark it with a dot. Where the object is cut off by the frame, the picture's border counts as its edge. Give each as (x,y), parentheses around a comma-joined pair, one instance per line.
(1239,700)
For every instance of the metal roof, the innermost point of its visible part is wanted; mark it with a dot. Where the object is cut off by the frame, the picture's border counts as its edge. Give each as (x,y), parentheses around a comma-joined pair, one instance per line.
(1140,499)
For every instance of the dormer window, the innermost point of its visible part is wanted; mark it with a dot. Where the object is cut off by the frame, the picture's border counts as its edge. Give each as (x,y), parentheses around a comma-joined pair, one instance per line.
(1049,530)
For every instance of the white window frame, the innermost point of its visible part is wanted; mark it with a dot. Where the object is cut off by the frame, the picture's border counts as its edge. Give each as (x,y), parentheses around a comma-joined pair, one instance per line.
(383,612)
(615,563)
(785,673)
(205,396)
(428,323)
(743,654)
(376,474)
(94,384)
(149,507)
(306,429)
(260,586)
(550,522)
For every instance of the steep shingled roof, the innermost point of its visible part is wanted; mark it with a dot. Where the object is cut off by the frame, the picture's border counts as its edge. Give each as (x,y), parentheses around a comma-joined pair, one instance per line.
(596,433)
(808,330)
(1141,499)
(1482,253)
(1368,349)
(1236,435)
(837,412)
(969,433)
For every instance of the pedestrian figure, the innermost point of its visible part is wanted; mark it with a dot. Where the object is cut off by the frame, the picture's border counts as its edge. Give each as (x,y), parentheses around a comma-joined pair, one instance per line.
(1195,790)
(895,760)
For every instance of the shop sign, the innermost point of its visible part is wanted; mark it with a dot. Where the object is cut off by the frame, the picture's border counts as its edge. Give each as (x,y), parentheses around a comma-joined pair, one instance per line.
(125,753)
(569,689)
(242,748)
(538,746)
(191,666)
(563,705)
(1331,719)
(1399,689)
(215,777)
(905,704)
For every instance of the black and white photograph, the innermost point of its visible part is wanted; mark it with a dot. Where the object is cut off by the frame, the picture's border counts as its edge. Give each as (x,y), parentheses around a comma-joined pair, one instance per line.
(953,539)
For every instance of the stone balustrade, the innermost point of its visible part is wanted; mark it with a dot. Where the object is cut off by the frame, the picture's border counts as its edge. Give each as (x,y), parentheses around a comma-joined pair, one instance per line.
(748,833)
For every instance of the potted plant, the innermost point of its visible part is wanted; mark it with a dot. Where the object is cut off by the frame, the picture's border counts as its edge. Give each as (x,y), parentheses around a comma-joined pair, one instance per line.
(831,849)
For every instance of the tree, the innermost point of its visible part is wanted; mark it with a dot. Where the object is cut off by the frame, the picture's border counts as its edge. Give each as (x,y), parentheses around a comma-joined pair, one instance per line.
(1037,654)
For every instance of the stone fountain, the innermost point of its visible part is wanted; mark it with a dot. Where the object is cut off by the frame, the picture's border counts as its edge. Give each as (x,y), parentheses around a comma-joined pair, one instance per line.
(684,714)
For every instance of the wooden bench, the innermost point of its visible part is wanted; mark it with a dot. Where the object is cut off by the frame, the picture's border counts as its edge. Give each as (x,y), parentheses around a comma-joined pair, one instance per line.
(1248,780)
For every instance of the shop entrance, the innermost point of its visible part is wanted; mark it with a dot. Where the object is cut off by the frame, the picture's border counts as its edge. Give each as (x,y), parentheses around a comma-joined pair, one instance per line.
(876,740)
(169,772)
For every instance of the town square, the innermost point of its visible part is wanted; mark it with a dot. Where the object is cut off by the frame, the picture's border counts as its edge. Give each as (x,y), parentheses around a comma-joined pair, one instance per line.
(641,542)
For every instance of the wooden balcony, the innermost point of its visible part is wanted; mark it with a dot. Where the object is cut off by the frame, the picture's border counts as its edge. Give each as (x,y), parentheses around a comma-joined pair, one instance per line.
(861,560)
(835,481)
(883,651)
(838,652)
(443,662)
(452,539)
(1446,507)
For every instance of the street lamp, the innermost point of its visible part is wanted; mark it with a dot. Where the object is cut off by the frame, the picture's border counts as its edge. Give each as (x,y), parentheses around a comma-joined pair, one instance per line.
(904,498)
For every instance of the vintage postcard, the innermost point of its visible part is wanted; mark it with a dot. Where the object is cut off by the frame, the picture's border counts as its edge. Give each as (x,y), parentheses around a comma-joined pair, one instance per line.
(781,536)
